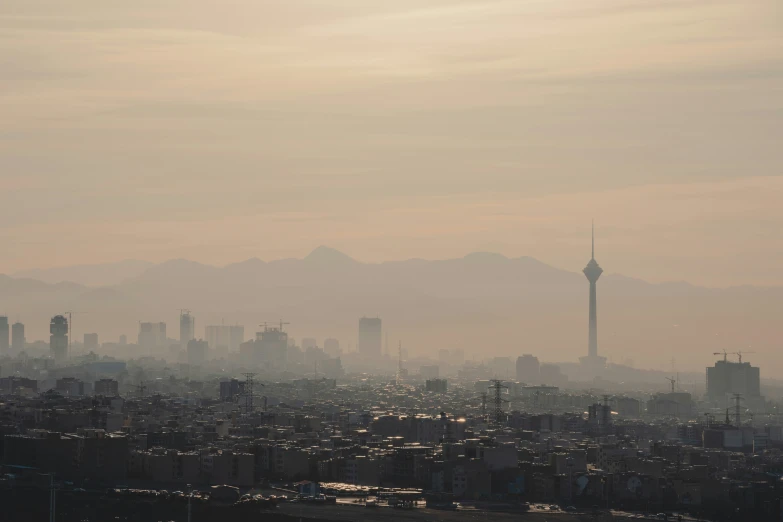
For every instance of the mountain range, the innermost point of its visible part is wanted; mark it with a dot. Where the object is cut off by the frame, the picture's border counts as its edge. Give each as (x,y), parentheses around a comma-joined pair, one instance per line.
(485,303)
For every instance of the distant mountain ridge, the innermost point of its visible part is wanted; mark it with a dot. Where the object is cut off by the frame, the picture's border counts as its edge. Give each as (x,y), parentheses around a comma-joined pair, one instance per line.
(104,274)
(484,303)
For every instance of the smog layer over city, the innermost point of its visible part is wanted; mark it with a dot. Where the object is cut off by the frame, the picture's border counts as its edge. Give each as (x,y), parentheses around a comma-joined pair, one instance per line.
(423,260)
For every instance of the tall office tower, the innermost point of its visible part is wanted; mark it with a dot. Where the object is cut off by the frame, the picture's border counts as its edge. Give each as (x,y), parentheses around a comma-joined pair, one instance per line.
(187,328)
(152,336)
(17,337)
(592,271)
(528,369)
(502,367)
(236,336)
(90,342)
(308,342)
(370,337)
(4,335)
(332,347)
(123,340)
(58,340)
(198,351)
(224,338)
(216,337)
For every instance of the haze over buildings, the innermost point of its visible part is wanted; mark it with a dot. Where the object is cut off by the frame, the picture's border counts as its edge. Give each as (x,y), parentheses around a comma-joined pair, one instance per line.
(167,160)
(411,130)
(468,306)
(370,337)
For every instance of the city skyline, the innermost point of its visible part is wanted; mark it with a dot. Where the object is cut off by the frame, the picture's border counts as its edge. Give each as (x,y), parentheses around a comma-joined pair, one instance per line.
(684,340)
(325,260)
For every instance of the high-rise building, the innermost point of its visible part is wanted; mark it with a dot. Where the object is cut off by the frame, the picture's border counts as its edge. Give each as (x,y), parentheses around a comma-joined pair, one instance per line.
(552,375)
(17,337)
(58,340)
(430,371)
(728,377)
(187,328)
(90,342)
(224,338)
(436,385)
(4,335)
(370,337)
(216,337)
(269,350)
(332,347)
(309,342)
(236,336)
(231,390)
(123,340)
(273,348)
(592,272)
(197,352)
(528,369)
(454,358)
(502,367)
(332,368)
(107,387)
(152,336)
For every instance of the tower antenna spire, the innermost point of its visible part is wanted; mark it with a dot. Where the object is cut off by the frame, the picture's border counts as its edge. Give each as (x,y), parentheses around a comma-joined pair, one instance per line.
(593,271)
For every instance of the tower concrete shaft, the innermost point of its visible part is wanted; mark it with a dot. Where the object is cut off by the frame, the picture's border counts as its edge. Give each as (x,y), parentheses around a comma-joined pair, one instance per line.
(593,271)
(592,344)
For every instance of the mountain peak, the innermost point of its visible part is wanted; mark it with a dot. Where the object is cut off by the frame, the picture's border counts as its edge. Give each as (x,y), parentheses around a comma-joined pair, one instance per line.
(324,255)
(490,257)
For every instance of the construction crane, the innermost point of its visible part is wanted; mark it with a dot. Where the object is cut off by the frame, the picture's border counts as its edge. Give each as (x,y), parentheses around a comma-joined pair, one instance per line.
(738,353)
(724,353)
(267,324)
(672,381)
(70,327)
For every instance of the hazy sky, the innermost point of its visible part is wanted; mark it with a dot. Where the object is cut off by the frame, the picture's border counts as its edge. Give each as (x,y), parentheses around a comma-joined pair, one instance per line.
(222,130)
